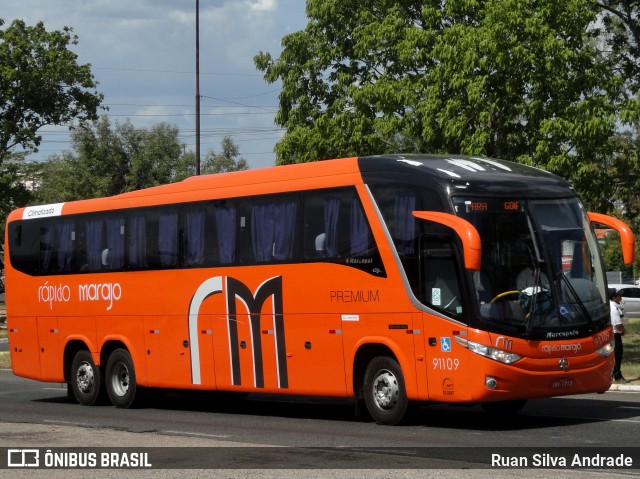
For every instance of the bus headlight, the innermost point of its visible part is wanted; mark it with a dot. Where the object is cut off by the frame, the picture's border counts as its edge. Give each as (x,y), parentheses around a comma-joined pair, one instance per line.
(488,352)
(606,350)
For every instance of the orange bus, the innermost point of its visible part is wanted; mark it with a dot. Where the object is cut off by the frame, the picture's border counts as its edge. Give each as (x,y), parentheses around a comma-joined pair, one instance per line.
(393,280)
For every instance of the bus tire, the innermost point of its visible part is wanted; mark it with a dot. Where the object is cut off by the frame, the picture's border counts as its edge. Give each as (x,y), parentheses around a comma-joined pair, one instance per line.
(384,391)
(86,379)
(120,379)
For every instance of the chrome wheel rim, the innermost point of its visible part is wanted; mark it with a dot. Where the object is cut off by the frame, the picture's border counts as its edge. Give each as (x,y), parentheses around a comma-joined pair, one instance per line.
(85,377)
(120,379)
(385,390)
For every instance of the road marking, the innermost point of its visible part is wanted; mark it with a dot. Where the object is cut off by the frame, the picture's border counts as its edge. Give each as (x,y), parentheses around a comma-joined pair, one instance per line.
(194,434)
(69,423)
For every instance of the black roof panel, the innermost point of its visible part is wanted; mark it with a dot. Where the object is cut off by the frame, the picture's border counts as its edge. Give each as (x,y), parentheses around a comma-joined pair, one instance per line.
(470,175)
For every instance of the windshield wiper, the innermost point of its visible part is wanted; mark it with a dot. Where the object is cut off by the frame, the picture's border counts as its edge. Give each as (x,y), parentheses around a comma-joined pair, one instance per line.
(534,298)
(581,305)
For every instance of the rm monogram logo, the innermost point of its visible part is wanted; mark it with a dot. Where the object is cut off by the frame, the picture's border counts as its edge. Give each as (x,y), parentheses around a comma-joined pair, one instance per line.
(234,289)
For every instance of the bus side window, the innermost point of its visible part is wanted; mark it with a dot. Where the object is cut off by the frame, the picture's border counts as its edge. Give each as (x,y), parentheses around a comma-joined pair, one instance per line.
(24,245)
(269,229)
(46,265)
(439,275)
(114,260)
(314,234)
(136,241)
(162,238)
(226,233)
(65,247)
(192,237)
(102,244)
(335,225)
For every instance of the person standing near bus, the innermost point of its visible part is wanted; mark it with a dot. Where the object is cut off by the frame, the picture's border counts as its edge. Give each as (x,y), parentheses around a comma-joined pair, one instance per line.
(617,321)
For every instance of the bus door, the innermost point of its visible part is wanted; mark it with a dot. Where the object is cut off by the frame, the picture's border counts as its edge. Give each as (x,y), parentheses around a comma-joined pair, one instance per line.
(23,341)
(50,349)
(442,291)
(315,358)
(167,351)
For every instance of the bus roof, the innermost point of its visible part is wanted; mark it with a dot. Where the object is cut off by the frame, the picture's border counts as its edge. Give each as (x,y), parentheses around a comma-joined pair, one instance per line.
(297,177)
(463,174)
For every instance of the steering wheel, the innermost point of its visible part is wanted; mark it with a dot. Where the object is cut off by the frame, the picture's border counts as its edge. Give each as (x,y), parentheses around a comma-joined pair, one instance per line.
(506,293)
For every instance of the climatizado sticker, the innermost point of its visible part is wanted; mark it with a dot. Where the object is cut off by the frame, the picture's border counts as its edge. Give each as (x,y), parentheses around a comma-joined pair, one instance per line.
(42,211)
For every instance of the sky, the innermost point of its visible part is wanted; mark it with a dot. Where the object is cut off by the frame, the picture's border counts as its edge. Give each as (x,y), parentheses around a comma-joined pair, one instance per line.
(142,54)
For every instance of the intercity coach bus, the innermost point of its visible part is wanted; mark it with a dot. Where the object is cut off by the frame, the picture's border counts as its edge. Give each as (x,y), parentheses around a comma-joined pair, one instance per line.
(392,280)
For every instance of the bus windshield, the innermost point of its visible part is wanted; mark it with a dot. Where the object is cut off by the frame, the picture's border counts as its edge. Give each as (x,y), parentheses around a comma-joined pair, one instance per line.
(540,275)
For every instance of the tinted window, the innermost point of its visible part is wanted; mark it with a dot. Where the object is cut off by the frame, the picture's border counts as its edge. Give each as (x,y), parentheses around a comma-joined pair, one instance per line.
(335,226)
(24,245)
(57,249)
(336,229)
(630,292)
(101,244)
(253,230)
(269,228)
(397,204)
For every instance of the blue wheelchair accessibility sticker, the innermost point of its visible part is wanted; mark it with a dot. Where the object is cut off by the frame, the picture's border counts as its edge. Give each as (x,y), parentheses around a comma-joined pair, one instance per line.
(445,345)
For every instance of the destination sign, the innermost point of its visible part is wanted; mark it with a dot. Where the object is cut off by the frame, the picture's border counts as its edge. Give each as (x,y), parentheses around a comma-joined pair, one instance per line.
(492,205)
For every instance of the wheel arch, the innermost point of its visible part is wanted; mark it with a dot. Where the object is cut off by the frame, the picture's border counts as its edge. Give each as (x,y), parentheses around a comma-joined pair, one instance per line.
(364,354)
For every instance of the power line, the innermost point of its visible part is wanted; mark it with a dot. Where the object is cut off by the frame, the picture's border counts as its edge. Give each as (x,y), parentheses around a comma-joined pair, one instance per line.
(185,106)
(148,115)
(182,72)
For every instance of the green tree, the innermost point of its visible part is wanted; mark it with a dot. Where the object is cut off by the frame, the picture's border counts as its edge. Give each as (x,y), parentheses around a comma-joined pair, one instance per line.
(505,78)
(152,154)
(620,51)
(225,161)
(17,178)
(107,161)
(621,34)
(612,256)
(41,84)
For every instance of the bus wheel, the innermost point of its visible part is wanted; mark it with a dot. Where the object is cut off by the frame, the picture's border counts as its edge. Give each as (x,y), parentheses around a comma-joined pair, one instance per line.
(505,408)
(86,380)
(384,391)
(121,379)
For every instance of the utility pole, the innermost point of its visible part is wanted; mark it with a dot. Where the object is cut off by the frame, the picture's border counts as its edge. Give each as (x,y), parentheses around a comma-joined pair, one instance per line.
(197,87)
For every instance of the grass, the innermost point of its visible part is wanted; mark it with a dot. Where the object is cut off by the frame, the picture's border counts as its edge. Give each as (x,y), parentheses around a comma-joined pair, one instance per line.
(631,355)
(5,356)
(5,360)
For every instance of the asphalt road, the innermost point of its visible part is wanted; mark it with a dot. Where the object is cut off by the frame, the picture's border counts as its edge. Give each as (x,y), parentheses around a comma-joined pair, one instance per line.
(323,433)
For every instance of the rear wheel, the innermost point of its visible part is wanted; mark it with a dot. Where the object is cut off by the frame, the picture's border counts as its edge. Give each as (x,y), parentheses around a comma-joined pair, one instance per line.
(121,379)
(384,391)
(86,379)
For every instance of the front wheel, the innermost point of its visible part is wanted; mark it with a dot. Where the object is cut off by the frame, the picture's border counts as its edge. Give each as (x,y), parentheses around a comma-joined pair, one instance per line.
(86,379)
(121,379)
(384,391)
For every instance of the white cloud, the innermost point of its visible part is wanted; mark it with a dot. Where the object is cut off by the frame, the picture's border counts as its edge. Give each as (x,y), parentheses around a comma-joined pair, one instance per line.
(143,55)
(263,5)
